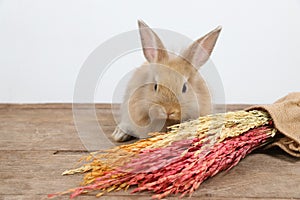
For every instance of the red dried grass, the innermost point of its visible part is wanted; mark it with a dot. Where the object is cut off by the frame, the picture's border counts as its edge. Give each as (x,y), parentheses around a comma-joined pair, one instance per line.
(180,167)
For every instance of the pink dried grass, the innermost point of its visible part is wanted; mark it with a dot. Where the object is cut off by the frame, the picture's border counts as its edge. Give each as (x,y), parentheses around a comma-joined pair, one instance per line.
(180,167)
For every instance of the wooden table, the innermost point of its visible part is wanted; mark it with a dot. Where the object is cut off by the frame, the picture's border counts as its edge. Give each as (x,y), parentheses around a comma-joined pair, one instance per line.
(39,142)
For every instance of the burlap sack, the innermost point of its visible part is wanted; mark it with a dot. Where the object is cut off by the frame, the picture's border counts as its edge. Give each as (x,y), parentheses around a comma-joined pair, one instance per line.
(285,113)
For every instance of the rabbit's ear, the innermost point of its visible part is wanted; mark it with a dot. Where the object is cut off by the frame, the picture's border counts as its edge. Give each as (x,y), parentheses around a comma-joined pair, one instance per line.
(153,48)
(198,53)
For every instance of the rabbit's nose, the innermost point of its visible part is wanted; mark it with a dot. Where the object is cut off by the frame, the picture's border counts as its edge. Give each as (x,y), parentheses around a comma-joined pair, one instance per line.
(158,112)
(171,114)
(174,114)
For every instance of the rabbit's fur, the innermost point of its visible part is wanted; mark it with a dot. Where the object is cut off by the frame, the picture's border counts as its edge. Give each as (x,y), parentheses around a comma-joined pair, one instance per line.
(166,89)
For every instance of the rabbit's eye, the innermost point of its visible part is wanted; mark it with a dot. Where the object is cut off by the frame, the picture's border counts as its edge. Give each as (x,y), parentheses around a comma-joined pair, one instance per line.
(155,86)
(184,88)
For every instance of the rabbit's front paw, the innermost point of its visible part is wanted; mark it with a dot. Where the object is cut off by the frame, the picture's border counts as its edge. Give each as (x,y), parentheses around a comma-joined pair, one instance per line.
(119,136)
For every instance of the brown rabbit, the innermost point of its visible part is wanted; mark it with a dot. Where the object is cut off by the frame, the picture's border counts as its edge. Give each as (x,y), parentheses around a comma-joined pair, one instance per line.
(167,89)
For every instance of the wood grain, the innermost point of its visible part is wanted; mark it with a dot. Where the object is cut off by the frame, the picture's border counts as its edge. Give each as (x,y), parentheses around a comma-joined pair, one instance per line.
(39,142)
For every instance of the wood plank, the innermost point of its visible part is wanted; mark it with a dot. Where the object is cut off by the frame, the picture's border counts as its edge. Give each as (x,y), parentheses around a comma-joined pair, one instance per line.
(258,175)
(127,197)
(50,106)
(38,142)
(24,127)
(97,105)
(38,129)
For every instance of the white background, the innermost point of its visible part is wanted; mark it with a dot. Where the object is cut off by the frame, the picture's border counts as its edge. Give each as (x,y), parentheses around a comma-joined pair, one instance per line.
(44,43)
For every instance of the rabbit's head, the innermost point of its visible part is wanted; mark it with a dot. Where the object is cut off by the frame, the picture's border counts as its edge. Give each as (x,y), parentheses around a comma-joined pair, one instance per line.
(167,89)
(169,86)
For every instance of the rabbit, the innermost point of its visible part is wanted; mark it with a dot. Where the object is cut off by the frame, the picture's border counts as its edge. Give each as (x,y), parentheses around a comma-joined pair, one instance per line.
(166,89)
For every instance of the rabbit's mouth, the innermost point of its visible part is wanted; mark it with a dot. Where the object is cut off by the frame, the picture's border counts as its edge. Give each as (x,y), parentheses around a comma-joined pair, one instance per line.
(168,123)
(171,122)
(169,112)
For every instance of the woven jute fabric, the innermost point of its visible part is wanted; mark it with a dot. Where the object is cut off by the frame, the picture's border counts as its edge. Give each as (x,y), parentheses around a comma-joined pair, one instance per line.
(285,113)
